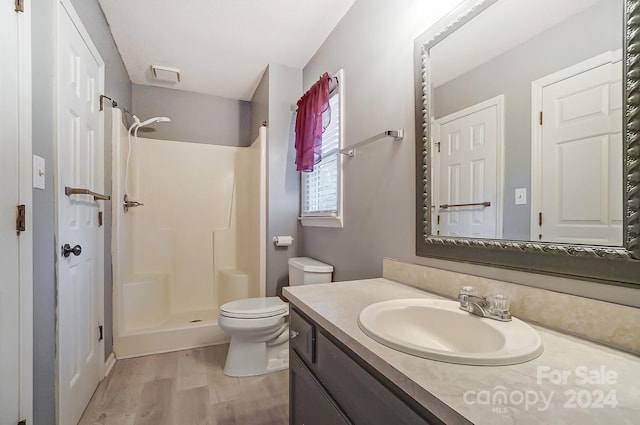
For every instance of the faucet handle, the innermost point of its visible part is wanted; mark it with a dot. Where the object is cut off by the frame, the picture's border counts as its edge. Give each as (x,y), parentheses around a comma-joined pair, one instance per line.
(465,293)
(499,303)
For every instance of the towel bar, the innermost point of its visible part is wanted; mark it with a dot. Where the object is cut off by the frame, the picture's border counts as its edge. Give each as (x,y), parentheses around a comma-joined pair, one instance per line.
(77,191)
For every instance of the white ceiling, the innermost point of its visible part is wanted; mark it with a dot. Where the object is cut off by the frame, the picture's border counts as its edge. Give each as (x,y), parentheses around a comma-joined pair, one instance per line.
(221,47)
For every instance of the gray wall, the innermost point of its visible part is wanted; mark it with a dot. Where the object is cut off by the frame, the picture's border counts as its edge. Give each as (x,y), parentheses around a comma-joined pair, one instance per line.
(44,283)
(511,74)
(374,45)
(379,222)
(117,86)
(260,105)
(195,117)
(283,185)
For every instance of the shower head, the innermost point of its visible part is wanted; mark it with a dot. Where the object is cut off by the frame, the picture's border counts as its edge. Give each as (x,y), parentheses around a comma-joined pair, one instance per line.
(153,120)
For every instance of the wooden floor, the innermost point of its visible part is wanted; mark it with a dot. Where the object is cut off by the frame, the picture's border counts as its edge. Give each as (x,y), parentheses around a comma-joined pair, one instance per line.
(187,388)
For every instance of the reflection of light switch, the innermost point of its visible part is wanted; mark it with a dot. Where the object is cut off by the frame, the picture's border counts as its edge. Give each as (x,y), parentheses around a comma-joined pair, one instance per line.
(38,172)
(521,196)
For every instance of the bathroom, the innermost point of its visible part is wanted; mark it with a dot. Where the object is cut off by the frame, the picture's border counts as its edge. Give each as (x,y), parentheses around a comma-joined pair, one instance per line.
(374,44)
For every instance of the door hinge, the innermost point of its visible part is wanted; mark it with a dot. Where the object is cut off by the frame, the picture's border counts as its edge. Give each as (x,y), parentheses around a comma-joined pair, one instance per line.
(101,333)
(438,219)
(21,219)
(99,218)
(438,146)
(19,6)
(540,219)
(540,117)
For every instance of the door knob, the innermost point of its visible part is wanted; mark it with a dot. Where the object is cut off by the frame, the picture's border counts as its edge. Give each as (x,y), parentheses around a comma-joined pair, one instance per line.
(67,250)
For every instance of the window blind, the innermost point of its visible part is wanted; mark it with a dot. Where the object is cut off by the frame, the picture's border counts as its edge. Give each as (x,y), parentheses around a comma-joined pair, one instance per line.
(320,187)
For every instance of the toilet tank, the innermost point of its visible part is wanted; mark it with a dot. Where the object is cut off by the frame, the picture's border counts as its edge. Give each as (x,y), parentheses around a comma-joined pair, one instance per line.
(307,271)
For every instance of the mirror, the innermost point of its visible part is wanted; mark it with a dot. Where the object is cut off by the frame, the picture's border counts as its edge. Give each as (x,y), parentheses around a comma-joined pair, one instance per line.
(529,136)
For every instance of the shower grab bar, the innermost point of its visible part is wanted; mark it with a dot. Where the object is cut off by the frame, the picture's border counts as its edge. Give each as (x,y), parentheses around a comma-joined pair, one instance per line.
(484,204)
(77,191)
(396,134)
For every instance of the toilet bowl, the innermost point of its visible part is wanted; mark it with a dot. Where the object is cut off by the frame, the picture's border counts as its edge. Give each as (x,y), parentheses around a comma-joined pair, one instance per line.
(259,335)
(259,327)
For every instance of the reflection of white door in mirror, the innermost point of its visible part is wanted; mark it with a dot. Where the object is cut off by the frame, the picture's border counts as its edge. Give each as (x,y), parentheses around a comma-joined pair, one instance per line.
(467,164)
(576,169)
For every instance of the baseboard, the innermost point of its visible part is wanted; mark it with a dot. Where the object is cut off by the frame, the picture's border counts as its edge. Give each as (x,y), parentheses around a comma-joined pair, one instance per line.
(108,365)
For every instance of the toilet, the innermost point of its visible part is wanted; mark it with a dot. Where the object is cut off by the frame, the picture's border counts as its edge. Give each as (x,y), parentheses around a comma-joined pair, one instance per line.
(259,327)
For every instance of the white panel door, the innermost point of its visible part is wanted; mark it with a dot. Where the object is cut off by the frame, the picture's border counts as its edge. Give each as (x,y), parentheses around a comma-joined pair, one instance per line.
(581,199)
(467,167)
(79,165)
(9,245)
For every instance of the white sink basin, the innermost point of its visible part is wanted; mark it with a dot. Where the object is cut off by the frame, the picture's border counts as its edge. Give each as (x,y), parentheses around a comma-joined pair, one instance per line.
(439,330)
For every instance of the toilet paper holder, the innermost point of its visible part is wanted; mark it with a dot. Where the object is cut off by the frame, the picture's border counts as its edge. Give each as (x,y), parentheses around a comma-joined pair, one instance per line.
(282,240)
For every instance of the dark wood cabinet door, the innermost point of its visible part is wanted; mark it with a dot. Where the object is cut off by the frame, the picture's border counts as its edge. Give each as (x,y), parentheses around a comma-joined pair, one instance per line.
(309,403)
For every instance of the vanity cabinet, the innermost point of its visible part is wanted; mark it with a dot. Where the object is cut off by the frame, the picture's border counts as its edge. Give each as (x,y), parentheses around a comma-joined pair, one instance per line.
(329,384)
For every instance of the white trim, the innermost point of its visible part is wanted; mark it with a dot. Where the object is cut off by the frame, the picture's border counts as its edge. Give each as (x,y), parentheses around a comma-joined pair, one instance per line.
(116,122)
(321,221)
(435,173)
(26,198)
(498,102)
(537,87)
(264,137)
(342,90)
(108,365)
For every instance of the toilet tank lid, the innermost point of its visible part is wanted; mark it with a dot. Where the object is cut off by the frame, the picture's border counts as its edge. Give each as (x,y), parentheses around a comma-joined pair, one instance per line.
(310,265)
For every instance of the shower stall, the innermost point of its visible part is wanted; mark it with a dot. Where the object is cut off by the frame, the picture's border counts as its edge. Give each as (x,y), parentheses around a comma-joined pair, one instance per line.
(197,241)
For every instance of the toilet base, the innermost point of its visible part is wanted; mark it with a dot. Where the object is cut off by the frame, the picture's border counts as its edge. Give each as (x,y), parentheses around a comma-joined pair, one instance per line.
(250,358)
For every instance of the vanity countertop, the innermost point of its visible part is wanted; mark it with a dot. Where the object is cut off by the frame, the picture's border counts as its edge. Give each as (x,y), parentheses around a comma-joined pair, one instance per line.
(573,381)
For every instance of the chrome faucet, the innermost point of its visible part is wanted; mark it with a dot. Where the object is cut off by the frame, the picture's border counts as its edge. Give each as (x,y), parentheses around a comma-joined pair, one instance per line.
(494,306)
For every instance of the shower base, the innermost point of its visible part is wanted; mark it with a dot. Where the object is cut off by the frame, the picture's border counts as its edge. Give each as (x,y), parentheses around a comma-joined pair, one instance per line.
(179,331)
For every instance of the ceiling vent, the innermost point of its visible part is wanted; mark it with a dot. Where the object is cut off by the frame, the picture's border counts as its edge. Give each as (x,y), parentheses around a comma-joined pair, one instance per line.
(166,74)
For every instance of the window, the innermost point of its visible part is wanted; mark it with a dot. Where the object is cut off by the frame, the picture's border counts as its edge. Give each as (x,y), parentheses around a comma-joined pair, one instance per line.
(321,189)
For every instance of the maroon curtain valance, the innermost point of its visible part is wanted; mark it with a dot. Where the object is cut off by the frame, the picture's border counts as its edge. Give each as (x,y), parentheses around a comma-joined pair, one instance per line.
(314,115)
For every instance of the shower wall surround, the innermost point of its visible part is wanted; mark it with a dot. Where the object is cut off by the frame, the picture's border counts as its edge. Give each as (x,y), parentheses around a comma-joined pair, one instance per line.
(193,245)
(607,323)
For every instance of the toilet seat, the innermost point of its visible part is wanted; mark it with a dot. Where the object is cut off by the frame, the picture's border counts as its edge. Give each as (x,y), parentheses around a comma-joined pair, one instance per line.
(254,308)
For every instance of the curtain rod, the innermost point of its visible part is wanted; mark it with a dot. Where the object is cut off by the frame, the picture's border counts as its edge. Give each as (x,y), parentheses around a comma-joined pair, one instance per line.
(114,104)
(294,108)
